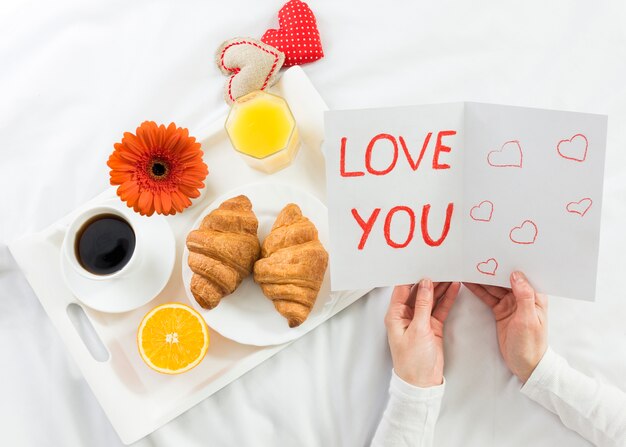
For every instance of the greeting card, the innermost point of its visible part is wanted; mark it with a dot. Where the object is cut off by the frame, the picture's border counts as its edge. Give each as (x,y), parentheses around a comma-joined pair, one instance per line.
(465,192)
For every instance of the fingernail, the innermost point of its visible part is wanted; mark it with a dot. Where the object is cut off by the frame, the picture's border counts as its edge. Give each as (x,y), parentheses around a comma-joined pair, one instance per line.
(426,284)
(517,276)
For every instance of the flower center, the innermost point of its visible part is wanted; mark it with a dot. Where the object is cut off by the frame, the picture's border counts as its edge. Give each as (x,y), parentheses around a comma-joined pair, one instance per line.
(158,169)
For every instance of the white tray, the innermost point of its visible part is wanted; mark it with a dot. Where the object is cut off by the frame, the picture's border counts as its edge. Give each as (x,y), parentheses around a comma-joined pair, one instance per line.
(136,399)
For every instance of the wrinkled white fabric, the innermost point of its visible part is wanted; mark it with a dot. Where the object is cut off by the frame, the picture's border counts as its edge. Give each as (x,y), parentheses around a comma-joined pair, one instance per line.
(76,74)
(594,410)
(411,414)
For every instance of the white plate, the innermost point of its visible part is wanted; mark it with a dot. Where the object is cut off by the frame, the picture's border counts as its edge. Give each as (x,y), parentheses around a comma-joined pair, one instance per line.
(128,292)
(247,316)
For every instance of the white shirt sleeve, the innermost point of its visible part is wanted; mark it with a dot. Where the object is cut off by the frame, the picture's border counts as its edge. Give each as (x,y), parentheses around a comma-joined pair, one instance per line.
(594,410)
(410,417)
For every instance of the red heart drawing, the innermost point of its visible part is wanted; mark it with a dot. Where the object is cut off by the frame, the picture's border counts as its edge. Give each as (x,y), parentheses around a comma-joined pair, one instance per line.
(573,149)
(483,211)
(488,267)
(251,64)
(297,35)
(525,234)
(510,155)
(581,207)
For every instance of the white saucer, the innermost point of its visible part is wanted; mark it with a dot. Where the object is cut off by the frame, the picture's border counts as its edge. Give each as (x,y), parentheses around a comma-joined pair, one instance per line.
(247,316)
(145,282)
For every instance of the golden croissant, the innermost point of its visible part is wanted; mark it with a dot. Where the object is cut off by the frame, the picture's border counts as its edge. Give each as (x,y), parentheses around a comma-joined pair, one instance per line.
(292,266)
(223,250)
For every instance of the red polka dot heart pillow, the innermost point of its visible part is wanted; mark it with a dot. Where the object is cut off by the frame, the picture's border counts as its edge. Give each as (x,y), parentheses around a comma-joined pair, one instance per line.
(297,35)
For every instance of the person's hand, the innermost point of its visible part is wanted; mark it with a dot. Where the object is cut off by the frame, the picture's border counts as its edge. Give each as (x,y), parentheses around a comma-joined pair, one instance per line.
(521,322)
(414,324)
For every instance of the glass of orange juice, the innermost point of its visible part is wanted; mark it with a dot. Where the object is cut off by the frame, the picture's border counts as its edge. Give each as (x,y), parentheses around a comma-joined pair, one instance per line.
(262,129)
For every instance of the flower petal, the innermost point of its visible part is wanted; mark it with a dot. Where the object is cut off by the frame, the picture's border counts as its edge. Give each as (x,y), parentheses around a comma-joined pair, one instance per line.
(191,182)
(118,164)
(147,133)
(129,156)
(187,152)
(134,144)
(170,142)
(183,198)
(166,202)
(199,169)
(188,191)
(120,177)
(145,201)
(177,202)
(129,187)
(157,203)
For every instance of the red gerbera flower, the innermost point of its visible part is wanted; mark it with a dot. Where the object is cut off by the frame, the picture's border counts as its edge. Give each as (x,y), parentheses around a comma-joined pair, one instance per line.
(159,169)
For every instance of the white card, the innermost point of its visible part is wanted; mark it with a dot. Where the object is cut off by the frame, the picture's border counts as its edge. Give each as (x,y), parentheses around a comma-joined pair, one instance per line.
(465,192)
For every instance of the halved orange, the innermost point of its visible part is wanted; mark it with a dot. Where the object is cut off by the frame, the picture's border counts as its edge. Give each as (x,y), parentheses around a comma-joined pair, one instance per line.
(172,338)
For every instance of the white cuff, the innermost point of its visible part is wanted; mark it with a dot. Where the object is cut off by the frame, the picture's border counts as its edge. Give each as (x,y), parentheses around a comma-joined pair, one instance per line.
(545,374)
(408,392)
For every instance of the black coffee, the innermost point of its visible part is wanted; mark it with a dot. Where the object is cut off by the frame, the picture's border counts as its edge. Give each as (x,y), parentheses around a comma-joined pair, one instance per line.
(105,244)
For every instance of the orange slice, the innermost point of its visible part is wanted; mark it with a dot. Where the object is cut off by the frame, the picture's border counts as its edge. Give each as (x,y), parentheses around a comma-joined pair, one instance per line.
(172,338)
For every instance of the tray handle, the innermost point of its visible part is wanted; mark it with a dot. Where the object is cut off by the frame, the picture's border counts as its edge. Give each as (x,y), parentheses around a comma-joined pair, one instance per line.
(80,333)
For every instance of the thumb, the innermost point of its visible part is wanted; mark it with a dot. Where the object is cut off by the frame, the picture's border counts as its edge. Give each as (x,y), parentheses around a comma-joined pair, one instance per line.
(524,294)
(423,303)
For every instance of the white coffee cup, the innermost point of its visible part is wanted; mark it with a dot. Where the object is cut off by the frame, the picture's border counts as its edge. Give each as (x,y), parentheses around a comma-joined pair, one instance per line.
(72,233)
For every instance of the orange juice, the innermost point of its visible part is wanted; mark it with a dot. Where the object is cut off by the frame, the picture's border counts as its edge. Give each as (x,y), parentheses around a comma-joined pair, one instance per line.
(262,128)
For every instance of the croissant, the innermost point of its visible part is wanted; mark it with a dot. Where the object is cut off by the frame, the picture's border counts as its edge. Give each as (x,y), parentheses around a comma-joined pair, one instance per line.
(223,250)
(292,266)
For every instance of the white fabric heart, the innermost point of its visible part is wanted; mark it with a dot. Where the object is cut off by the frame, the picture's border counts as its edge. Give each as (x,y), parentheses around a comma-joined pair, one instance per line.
(251,64)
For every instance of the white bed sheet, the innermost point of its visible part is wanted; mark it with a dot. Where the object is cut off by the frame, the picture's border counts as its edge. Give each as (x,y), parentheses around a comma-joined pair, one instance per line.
(75,74)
